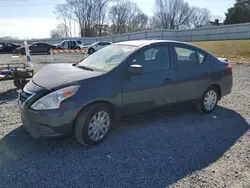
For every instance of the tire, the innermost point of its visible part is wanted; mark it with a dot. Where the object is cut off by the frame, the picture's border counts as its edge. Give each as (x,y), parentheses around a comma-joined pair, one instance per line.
(48,51)
(20,83)
(78,48)
(91,51)
(23,52)
(208,101)
(82,129)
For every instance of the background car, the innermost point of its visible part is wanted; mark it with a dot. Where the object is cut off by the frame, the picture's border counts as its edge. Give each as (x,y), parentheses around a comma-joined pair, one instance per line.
(97,46)
(8,47)
(38,47)
(70,44)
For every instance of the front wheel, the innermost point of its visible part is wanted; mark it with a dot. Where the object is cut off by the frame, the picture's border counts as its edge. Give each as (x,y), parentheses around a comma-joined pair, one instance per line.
(208,101)
(91,51)
(93,124)
(23,52)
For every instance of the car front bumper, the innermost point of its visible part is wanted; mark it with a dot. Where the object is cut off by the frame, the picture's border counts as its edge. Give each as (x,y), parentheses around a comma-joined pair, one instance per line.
(46,124)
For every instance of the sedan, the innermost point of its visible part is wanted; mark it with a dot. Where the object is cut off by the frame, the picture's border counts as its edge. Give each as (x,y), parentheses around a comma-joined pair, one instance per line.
(119,81)
(8,47)
(38,47)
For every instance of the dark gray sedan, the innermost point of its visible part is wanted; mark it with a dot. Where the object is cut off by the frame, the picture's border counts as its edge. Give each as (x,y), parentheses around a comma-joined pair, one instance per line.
(37,47)
(121,80)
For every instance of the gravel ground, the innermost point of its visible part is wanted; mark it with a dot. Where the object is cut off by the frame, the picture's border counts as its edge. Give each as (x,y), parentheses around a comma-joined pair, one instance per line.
(177,148)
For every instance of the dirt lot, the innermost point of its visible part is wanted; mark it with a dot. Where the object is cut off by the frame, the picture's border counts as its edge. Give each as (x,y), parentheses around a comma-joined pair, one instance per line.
(177,148)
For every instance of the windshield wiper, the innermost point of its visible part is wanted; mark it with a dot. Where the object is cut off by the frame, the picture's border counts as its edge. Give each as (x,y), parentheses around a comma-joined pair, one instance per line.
(86,68)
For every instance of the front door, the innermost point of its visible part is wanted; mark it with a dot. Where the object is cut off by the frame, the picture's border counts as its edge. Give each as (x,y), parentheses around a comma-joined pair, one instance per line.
(65,45)
(155,87)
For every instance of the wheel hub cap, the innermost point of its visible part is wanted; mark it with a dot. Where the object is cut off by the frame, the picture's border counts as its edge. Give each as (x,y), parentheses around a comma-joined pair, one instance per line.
(210,100)
(99,125)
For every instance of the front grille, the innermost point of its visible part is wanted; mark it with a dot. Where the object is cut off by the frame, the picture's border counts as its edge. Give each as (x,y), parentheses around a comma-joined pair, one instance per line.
(24,96)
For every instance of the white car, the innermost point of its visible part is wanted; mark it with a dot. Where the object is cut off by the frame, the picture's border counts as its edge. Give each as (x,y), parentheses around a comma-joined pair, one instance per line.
(70,44)
(97,46)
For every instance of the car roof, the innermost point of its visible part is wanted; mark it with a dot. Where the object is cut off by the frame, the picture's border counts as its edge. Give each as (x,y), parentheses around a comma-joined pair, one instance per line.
(145,42)
(40,43)
(141,43)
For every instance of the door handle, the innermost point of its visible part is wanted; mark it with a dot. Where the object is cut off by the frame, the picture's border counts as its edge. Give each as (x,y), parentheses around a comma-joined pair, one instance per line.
(167,80)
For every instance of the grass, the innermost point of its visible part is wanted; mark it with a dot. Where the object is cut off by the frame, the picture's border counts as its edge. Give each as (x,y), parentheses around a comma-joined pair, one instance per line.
(234,50)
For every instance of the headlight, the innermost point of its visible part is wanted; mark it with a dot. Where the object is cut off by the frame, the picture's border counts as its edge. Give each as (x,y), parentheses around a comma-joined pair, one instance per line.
(53,100)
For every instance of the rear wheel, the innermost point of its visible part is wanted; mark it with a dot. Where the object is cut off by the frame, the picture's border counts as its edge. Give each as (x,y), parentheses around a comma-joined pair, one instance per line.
(93,124)
(48,51)
(208,101)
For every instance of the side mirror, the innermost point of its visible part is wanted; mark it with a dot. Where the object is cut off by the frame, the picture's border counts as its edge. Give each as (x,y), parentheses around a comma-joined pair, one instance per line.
(135,69)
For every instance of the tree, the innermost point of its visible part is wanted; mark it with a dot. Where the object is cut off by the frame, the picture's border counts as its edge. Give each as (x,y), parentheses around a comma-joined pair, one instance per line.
(54,33)
(171,14)
(64,13)
(126,16)
(89,14)
(58,32)
(200,17)
(243,3)
(9,38)
(237,14)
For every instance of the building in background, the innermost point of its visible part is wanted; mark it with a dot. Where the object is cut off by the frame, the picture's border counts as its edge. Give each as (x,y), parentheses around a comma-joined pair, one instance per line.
(213,24)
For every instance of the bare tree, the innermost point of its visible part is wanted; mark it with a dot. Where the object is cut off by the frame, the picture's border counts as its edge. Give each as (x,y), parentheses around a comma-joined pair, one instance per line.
(54,33)
(199,17)
(64,14)
(89,14)
(171,14)
(102,9)
(126,16)
(118,15)
(58,32)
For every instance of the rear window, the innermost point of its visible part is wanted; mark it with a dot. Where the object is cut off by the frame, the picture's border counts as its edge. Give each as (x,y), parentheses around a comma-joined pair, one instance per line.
(186,55)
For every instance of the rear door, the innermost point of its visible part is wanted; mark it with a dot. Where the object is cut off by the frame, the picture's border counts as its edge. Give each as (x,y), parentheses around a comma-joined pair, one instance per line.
(153,89)
(193,73)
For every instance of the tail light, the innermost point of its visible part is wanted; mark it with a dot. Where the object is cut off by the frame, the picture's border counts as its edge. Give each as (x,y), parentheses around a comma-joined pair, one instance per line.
(229,68)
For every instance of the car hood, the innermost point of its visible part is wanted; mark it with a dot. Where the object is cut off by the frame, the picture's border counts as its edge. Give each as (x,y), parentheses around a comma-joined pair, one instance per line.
(53,76)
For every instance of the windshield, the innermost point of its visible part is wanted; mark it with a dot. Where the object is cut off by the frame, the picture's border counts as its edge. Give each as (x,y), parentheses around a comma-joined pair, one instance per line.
(107,58)
(95,43)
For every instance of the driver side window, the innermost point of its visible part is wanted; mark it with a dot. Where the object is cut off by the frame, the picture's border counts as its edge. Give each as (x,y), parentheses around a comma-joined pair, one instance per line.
(9,45)
(154,59)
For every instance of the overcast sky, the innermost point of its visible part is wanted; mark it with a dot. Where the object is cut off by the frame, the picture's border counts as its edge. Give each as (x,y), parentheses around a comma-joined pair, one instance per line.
(35,18)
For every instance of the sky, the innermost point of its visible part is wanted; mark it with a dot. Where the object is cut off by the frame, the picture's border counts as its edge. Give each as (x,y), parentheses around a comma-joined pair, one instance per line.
(35,18)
